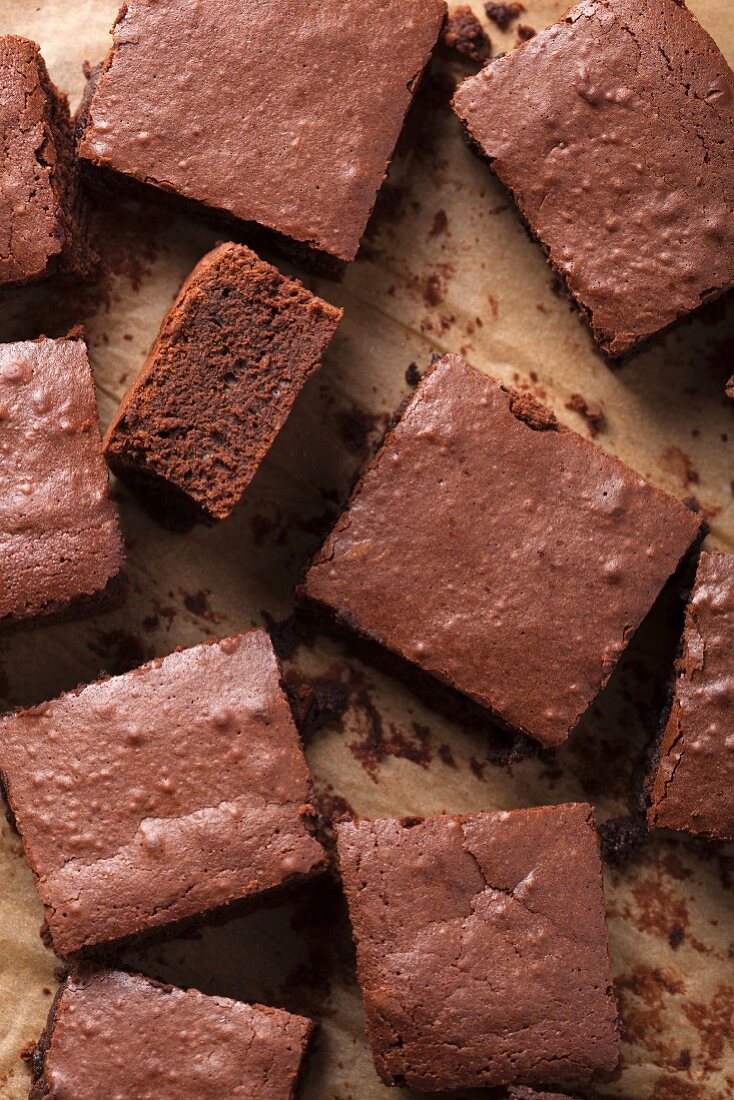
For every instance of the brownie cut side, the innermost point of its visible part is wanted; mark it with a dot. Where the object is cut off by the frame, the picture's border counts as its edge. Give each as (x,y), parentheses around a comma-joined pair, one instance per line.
(219,382)
(116,1034)
(614,132)
(319,89)
(693,778)
(60,540)
(157,796)
(44,222)
(500,552)
(482,947)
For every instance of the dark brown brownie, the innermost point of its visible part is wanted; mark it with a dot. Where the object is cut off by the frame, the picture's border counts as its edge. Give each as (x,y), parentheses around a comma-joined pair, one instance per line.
(281,115)
(482,947)
(614,131)
(43,218)
(124,1037)
(231,357)
(500,552)
(161,794)
(693,780)
(60,540)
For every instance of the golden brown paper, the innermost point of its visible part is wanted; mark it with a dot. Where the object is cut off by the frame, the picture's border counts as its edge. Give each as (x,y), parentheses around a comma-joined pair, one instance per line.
(446,267)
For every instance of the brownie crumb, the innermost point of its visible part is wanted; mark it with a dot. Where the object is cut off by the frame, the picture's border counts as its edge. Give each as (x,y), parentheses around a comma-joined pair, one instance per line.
(502,15)
(620,837)
(593,414)
(316,702)
(676,936)
(524,32)
(465,34)
(729,389)
(412,374)
(525,407)
(440,225)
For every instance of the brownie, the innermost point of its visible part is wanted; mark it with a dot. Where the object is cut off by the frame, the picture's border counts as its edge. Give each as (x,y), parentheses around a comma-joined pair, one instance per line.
(614,131)
(231,357)
(482,947)
(280,115)
(118,1035)
(499,551)
(693,779)
(43,217)
(60,539)
(161,794)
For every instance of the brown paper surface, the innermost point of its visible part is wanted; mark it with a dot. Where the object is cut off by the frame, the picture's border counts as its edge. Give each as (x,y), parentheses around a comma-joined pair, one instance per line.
(446,266)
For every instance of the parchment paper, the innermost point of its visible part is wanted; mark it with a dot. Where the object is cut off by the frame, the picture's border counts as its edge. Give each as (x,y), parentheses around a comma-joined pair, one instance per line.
(446,267)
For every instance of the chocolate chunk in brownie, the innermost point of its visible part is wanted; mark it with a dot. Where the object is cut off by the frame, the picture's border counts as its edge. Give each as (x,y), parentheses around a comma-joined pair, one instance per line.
(44,227)
(60,538)
(691,787)
(160,794)
(230,359)
(482,947)
(500,552)
(281,115)
(115,1034)
(614,131)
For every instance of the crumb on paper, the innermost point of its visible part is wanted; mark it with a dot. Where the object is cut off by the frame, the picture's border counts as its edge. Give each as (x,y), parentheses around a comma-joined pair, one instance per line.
(592,412)
(465,34)
(502,15)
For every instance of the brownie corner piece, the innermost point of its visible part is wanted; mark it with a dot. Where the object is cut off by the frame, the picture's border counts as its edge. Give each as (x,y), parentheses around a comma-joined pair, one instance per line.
(693,776)
(614,132)
(112,1033)
(60,537)
(321,124)
(232,354)
(515,563)
(44,223)
(482,947)
(157,796)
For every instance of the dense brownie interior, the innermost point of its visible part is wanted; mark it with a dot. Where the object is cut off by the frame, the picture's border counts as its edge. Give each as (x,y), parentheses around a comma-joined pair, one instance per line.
(232,355)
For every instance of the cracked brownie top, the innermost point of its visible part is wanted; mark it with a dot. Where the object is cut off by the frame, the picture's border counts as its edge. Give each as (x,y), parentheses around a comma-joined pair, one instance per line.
(614,130)
(481,947)
(693,780)
(160,794)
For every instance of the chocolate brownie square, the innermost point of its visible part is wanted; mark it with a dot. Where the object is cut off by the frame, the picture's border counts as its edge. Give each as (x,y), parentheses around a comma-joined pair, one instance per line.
(43,217)
(614,131)
(229,361)
(693,780)
(482,947)
(161,794)
(117,1035)
(500,552)
(281,115)
(60,540)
